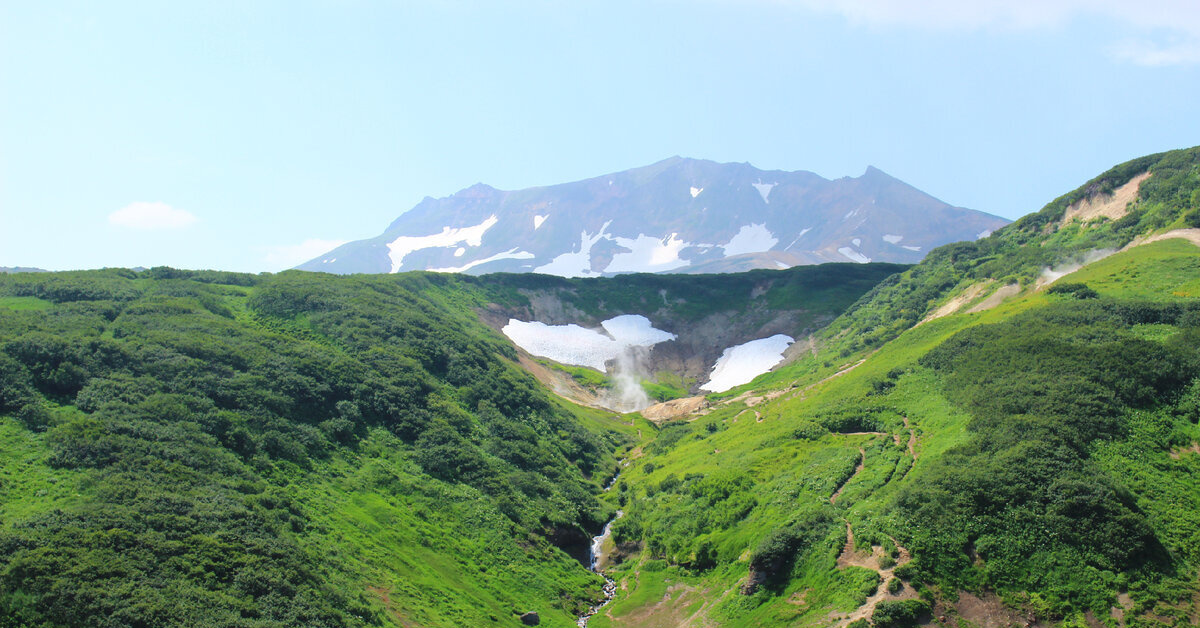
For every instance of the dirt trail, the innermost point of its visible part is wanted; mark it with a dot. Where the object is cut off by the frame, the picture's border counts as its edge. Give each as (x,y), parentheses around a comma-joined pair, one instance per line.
(862,460)
(802,392)
(912,439)
(1191,235)
(853,558)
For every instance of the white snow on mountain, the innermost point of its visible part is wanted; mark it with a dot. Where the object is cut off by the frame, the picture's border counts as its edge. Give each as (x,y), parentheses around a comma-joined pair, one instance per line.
(575,345)
(742,363)
(538,220)
(764,189)
(449,236)
(578,263)
(853,255)
(696,191)
(512,253)
(752,238)
(648,254)
(892,239)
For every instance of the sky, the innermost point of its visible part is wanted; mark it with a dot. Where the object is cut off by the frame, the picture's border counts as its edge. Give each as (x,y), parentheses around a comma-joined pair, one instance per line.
(252,136)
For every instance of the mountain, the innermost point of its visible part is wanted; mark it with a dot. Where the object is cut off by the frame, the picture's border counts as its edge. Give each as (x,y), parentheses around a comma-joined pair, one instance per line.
(678,215)
(1006,433)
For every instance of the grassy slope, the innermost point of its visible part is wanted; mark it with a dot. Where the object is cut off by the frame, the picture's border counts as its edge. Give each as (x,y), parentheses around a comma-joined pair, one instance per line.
(362,444)
(791,474)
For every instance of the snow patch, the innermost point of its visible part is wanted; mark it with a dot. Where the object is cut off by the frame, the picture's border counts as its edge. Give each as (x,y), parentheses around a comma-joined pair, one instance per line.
(764,189)
(742,363)
(850,214)
(911,248)
(648,254)
(853,255)
(780,265)
(512,253)
(538,220)
(696,192)
(578,263)
(856,242)
(892,239)
(572,344)
(983,234)
(459,251)
(449,236)
(801,235)
(752,238)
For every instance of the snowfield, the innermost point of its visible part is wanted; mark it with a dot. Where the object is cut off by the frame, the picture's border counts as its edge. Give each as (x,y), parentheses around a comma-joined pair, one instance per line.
(741,363)
(399,248)
(578,346)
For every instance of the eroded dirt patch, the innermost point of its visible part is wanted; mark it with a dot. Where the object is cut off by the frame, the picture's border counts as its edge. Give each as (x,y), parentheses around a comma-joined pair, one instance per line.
(674,408)
(971,293)
(1111,206)
(996,298)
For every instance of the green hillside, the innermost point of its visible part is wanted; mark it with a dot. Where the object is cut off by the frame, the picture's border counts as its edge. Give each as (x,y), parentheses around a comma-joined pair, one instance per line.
(206,448)
(1032,462)
(1005,434)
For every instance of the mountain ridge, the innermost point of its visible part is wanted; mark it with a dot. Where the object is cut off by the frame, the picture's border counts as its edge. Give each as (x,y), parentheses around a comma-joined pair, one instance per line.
(669,216)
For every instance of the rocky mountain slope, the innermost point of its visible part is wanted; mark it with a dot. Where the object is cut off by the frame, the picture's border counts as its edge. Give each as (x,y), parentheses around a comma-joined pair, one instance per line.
(678,215)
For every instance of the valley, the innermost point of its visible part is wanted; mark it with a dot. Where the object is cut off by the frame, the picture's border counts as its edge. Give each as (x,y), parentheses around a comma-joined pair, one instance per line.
(1003,433)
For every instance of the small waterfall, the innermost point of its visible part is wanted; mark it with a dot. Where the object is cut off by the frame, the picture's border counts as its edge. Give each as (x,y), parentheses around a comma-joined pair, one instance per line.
(610,585)
(594,556)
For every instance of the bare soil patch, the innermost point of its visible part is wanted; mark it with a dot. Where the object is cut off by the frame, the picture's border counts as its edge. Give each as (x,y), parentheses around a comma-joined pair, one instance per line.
(1191,235)
(1194,448)
(971,293)
(674,408)
(988,611)
(1111,206)
(852,558)
(996,298)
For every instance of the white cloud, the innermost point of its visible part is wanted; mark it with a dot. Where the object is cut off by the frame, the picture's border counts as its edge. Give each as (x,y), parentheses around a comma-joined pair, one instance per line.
(149,216)
(288,255)
(1161,32)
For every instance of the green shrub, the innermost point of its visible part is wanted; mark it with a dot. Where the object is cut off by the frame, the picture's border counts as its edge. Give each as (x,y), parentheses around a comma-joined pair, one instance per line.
(899,614)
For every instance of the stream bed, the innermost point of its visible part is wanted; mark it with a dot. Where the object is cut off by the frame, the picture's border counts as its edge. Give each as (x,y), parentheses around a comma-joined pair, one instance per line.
(595,553)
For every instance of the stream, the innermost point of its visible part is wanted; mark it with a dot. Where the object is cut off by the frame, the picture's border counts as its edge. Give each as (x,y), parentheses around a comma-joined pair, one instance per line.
(595,553)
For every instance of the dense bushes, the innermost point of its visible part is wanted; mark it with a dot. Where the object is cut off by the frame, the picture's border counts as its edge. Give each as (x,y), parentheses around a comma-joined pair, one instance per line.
(184,402)
(1023,494)
(779,549)
(899,614)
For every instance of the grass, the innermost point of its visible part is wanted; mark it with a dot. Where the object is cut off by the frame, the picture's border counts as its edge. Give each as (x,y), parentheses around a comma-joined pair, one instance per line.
(25,303)
(789,474)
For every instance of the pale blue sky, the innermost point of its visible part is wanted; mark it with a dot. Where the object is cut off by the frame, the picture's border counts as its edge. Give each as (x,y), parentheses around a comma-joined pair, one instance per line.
(226,134)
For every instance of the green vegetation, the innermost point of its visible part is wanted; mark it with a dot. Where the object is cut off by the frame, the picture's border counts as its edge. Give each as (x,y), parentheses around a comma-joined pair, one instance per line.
(828,288)
(1042,450)
(219,449)
(203,448)
(1021,251)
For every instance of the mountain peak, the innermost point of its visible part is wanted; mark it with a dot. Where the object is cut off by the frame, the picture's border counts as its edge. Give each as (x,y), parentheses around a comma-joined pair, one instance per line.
(676,215)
